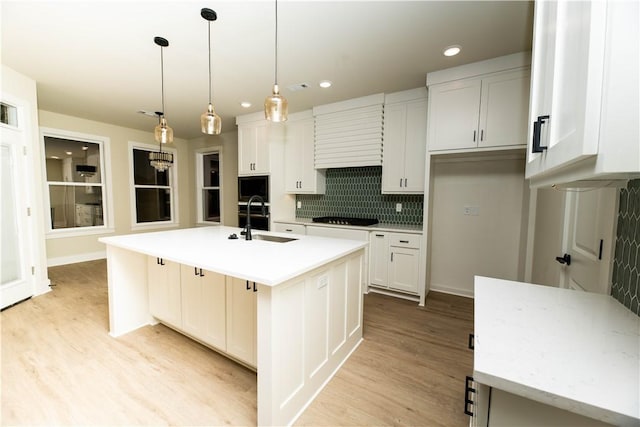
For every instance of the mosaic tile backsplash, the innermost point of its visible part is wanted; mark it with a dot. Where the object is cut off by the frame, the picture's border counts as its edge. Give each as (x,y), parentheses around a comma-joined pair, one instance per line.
(355,192)
(625,286)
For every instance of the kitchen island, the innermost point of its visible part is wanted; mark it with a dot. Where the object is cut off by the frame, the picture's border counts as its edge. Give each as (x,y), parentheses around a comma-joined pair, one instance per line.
(304,322)
(553,357)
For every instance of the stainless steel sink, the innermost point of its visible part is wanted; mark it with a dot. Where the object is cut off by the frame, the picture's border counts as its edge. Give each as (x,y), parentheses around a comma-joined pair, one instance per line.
(276,239)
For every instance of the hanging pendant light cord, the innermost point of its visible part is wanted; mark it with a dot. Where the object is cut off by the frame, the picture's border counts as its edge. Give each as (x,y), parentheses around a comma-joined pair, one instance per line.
(276,73)
(162,77)
(209,40)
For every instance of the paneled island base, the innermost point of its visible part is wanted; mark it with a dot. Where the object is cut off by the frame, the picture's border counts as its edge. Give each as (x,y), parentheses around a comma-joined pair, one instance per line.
(296,333)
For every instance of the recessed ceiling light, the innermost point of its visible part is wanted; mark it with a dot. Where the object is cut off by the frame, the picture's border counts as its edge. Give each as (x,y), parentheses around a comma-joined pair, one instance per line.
(85,148)
(55,157)
(451,50)
(245,104)
(69,153)
(325,84)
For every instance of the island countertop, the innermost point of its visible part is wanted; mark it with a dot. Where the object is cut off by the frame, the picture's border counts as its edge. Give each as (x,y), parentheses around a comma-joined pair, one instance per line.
(268,263)
(575,350)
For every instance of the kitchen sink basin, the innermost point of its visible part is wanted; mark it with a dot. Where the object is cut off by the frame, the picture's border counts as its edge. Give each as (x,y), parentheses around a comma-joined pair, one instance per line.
(276,239)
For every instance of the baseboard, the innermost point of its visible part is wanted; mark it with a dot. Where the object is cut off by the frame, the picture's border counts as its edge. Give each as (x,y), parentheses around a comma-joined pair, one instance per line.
(72,259)
(449,290)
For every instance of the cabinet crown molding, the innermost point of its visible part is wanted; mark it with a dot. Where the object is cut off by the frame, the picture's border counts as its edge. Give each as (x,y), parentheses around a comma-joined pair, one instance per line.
(494,65)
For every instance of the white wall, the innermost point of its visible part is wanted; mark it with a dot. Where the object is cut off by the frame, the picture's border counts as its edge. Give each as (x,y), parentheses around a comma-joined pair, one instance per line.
(491,243)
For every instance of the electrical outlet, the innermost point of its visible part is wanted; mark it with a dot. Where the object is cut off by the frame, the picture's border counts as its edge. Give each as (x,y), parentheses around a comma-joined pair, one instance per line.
(471,210)
(299,204)
(398,207)
(322,281)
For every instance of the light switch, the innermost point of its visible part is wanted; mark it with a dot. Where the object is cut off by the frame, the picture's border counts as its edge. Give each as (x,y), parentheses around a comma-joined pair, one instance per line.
(299,204)
(322,281)
(471,210)
(398,207)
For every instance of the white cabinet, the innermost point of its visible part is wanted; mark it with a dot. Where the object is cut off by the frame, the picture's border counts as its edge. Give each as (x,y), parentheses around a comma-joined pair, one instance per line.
(301,177)
(482,112)
(241,320)
(203,305)
(286,227)
(395,261)
(163,282)
(584,114)
(253,148)
(404,143)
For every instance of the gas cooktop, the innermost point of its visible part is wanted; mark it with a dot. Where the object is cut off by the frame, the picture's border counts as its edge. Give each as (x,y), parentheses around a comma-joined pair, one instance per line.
(343,220)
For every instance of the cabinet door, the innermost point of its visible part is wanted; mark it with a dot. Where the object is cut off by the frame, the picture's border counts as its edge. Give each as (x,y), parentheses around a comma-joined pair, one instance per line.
(253,149)
(453,115)
(308,174)
(379,248)
(164,290)
(571,132)
(293,157)
(415,147)
(241,321)
(203,305)
(393,147)
(504,109)
(403,269)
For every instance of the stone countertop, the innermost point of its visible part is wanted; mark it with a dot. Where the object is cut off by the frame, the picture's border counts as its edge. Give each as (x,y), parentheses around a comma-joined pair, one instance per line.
(413,229)
(268,263)
(574,350)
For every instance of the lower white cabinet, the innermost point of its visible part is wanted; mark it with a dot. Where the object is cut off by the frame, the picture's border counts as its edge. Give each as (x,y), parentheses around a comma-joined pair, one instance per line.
(241,320)
(395,261)
(204,305)
(163,279)
(497,408)
(282,227)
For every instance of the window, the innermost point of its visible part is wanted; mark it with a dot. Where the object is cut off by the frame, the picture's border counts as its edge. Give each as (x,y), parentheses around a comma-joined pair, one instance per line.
(76,184)
(209,177)
(153,197)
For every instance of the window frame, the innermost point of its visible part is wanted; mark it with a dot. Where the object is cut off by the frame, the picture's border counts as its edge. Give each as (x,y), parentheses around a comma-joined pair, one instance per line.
(199,170)
(105,185)
(173,188)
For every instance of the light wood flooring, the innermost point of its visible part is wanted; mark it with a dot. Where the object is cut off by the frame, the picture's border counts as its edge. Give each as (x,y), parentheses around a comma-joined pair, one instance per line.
(61,367)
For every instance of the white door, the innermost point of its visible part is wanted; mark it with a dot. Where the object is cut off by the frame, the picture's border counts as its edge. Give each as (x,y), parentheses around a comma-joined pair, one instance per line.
(590,240)
(17,283)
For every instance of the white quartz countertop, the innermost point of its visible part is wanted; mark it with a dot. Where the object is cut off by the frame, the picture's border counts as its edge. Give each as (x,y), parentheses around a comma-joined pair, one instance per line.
(574,350)
(260,261)
(414,229)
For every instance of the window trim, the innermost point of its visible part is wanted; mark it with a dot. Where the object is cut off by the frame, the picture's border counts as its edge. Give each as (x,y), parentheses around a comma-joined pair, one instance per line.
(106,185)
(199,158)
(173,186)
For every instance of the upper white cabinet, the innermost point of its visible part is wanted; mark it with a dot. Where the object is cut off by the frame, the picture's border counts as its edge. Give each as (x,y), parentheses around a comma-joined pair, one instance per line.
(483,105)
(253,145)
(301,177)
(404,144)
(584,115)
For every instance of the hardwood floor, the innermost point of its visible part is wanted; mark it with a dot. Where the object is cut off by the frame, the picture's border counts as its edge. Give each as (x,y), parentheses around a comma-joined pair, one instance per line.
(60,366)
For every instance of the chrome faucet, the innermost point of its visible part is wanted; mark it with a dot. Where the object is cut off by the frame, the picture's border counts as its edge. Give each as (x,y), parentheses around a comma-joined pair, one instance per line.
(247,235)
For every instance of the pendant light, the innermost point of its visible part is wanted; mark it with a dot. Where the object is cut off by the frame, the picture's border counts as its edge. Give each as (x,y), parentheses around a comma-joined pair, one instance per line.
(163,134)
(275,105)
(210,122)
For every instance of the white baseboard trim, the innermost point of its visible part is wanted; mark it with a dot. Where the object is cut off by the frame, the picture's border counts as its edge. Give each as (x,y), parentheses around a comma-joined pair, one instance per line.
(72,259)
(449,290)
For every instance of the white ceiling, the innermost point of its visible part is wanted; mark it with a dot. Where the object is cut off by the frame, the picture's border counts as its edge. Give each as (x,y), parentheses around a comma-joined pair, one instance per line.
(97,59)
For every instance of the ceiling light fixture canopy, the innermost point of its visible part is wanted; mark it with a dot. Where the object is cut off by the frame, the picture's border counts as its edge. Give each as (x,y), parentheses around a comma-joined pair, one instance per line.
(163,134)
(275,105)
(210,122)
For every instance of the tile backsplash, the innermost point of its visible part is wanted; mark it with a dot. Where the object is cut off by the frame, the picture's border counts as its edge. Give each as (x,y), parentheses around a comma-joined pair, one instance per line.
(355,192)
(625,286)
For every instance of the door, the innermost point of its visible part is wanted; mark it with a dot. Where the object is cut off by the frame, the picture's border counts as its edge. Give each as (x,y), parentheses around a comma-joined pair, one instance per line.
(17,282)
(590,238)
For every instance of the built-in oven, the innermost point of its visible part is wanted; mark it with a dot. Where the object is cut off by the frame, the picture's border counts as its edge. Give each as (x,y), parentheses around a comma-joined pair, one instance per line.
(258,221)
(253,186)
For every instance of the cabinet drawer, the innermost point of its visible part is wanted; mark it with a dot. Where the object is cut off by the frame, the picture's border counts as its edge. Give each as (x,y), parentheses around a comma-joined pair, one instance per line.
(289,228)
(405,240)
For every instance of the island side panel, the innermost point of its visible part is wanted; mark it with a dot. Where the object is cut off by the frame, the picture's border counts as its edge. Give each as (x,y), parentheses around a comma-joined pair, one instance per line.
(307,328)
(127,285)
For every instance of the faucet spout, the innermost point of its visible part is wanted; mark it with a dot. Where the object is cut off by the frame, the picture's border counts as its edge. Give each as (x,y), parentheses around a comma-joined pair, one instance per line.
(247,236)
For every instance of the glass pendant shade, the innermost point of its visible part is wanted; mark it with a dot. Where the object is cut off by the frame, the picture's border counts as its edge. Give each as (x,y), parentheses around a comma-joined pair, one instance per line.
(210,122)
(163,133)
(276,106)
